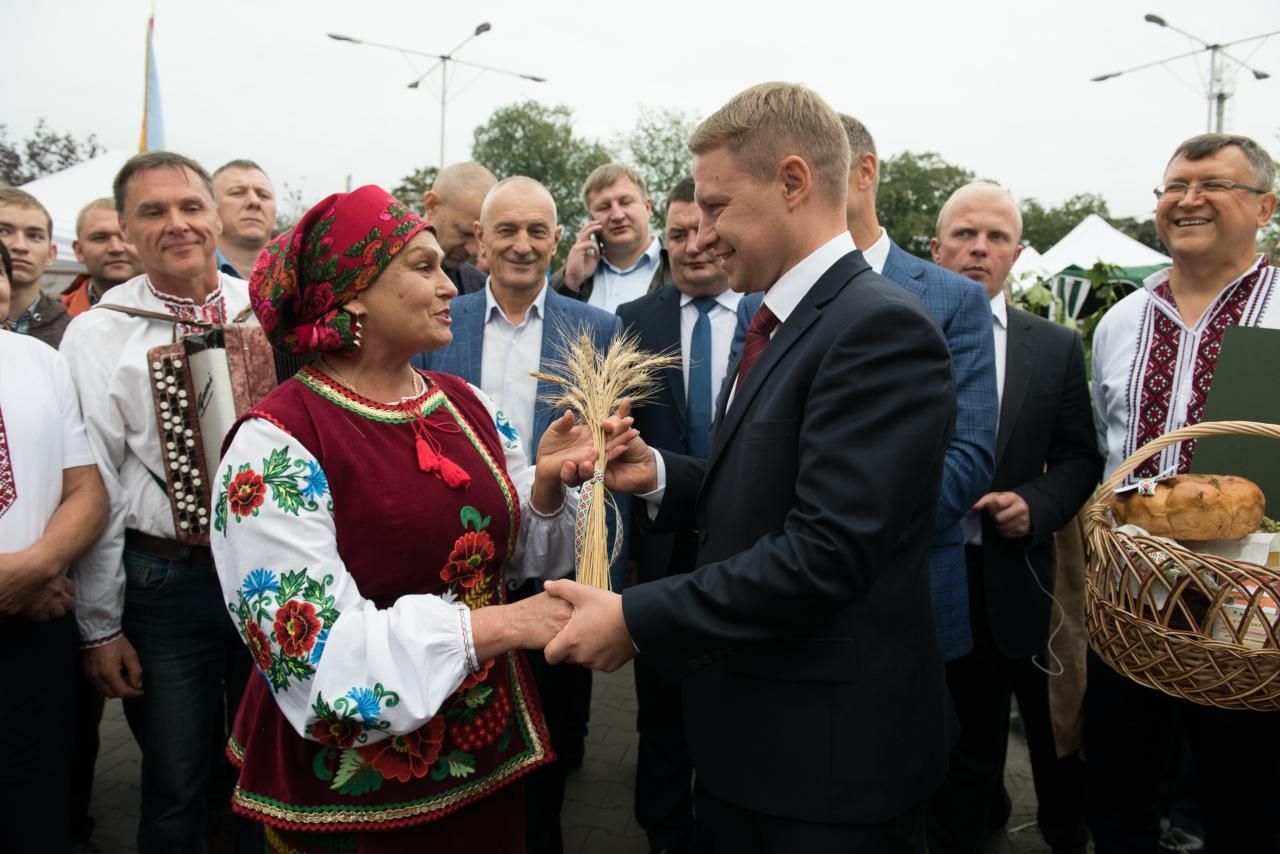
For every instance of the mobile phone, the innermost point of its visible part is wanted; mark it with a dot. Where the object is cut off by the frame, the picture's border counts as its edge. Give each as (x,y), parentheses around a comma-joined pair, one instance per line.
(598,237)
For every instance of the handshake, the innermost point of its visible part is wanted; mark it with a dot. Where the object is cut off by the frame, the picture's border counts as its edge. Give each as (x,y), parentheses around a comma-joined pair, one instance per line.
(571,622)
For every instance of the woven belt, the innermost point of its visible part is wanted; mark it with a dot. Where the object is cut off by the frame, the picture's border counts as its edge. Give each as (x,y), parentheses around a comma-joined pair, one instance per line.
(165,549)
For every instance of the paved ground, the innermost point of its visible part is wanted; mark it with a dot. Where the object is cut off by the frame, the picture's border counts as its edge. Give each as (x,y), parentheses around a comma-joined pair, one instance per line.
(597,814)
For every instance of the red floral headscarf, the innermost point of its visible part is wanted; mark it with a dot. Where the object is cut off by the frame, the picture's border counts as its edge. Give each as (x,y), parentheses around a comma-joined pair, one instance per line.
(305,276)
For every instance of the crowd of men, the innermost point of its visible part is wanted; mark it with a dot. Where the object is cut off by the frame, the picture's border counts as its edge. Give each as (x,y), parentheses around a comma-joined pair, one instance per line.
(1027,449)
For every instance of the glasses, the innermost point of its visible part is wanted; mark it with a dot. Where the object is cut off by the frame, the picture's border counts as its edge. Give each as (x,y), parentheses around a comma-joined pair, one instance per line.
(1212,187)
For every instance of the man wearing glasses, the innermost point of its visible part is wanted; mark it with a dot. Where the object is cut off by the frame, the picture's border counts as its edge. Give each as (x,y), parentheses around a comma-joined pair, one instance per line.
(1154,356)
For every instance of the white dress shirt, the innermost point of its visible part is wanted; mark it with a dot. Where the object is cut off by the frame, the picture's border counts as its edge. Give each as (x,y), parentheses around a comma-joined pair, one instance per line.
(972,524)
(508,353)
(877,253)
(107,354)
(724,322)
(611,287)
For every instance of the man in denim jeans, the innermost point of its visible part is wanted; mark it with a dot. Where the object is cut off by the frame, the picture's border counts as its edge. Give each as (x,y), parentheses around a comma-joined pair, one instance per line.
(149,609)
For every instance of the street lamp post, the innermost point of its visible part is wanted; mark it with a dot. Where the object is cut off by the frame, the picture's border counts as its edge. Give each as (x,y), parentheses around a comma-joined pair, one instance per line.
(442,61)
(1216,92)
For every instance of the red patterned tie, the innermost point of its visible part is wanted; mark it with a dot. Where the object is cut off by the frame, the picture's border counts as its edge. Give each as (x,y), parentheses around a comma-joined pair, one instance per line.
(762,326)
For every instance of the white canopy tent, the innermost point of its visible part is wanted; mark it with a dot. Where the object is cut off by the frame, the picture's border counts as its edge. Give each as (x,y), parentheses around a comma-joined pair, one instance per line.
(1064,268)
(1092,240)
(65,193)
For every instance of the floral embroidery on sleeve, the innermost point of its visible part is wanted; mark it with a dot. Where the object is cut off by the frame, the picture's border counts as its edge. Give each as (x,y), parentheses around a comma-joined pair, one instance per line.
(285,621)
(294,485)
(507,430)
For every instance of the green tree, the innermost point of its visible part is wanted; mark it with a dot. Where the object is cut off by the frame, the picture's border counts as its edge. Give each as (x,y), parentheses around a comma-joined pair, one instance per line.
(1043,227)
(44,152)
(913,188)
(290,207)
(658,148)
(529,138)
(414,186)
(1141,230)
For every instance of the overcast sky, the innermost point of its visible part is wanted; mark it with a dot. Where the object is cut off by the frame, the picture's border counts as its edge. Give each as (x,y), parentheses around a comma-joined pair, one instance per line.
(999,87)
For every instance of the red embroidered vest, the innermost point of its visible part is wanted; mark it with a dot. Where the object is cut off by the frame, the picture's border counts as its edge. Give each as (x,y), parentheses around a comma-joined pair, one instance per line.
(400,531)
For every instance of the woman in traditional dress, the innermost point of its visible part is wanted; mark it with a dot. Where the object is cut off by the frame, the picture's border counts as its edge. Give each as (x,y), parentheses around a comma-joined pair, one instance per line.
(367,519)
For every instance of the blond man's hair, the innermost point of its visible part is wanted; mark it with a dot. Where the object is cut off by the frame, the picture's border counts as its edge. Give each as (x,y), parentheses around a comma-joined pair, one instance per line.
(762,125)
(606,176)
(105,203)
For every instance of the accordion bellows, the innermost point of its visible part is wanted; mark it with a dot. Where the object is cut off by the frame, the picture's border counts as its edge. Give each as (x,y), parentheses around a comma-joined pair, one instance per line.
(200,385)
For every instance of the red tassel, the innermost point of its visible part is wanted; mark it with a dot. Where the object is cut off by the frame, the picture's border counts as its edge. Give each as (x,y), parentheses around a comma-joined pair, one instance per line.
(453,474)
(428,459)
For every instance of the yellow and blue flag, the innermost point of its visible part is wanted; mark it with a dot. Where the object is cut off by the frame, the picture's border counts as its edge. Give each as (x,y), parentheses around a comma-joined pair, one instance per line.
(152,137)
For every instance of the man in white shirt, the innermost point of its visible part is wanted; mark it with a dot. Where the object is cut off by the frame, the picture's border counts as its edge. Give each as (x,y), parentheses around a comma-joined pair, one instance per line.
(150,610)
(515,325)
(1046,466)
(1154,356)
(52,508)
(614,258)
(695,317)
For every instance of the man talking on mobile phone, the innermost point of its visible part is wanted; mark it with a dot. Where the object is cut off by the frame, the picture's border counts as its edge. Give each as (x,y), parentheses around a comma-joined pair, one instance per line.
(614,258)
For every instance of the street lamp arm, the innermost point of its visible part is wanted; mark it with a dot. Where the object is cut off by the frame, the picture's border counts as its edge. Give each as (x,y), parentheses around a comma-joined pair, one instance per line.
(532,77)
(1245,65)
(1250,39)
(339,38)
(1109,76)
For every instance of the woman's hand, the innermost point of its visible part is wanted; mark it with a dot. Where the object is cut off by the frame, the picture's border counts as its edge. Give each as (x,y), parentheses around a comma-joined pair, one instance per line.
(528,624)
(632,468)
(567,454)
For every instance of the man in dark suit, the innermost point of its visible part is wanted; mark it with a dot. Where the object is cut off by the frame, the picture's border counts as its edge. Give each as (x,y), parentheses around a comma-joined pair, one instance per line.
(960,308)
(514,325)
(813,683)
(452,205)
(1047,465)
(695,318)
(614,259)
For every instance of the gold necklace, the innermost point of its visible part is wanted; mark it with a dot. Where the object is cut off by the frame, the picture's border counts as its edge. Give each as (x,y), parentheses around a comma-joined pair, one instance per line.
(418,385)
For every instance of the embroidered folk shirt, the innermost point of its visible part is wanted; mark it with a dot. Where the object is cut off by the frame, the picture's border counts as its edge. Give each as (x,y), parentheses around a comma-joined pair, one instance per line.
(107,354)
(1152,372)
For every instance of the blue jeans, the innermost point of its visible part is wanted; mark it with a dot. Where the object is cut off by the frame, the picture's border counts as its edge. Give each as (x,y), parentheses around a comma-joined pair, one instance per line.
(194,670)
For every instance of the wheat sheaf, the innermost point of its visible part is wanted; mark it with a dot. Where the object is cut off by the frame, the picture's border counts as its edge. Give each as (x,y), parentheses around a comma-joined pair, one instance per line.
(592,383)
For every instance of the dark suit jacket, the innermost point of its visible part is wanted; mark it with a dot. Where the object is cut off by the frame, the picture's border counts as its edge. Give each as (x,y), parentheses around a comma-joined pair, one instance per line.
(814,683)
(1046,452)
(661,276)
(655,321)
(467,279)
(963,312)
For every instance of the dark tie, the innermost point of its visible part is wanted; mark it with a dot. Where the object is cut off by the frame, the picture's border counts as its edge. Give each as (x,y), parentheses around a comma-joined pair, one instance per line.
(699,399)
(762,326)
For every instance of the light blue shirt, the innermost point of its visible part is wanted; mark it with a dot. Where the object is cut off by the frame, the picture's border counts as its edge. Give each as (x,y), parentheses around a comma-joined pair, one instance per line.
(611,287)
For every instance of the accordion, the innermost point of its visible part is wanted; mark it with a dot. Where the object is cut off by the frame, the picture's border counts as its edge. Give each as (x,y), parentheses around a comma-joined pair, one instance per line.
(200,385)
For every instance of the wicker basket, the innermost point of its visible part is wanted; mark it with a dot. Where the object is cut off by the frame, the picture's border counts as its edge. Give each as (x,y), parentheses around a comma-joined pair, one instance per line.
(1161,633)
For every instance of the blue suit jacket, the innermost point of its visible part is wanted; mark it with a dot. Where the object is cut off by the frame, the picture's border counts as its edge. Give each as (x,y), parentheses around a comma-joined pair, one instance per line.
(464,356)
(962,309)
(564,317)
